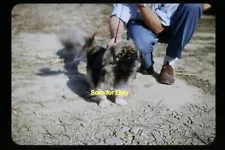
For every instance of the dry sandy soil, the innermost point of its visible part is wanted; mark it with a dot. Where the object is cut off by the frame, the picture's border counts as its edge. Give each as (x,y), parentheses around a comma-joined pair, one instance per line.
(49,102)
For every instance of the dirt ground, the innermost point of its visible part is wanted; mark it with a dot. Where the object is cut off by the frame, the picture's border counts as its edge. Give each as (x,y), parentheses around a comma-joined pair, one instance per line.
(49,103)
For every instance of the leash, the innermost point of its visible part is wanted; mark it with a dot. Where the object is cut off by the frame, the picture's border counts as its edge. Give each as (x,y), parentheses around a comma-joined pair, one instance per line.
(118,24)
(112,50)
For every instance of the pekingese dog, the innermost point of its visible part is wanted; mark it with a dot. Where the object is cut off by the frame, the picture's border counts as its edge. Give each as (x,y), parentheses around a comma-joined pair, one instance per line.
(109,69)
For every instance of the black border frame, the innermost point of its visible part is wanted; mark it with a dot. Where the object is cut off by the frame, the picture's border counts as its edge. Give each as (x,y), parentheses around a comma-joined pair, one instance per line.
(7,142)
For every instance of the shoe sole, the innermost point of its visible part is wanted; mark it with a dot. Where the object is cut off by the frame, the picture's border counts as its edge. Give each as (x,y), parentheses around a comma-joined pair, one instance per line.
(145,73)
(166,82)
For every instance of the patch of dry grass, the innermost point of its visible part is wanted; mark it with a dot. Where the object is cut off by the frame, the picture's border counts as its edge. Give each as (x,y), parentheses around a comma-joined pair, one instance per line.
(28,20)
(107,11)
(37,18)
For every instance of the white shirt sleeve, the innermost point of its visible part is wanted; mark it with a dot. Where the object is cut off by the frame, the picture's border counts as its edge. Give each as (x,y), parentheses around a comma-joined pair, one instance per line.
(124,9)
(166,12)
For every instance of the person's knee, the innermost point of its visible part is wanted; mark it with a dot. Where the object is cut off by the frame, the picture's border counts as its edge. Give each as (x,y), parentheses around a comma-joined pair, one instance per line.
(192,7)
(145,43)
(143,39)
(144,46)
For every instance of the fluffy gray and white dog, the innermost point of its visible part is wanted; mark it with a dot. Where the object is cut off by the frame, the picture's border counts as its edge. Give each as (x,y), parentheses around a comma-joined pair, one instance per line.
(108,69)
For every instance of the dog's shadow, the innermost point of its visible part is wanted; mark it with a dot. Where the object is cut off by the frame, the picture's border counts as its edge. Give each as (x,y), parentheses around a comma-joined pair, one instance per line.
(77,82)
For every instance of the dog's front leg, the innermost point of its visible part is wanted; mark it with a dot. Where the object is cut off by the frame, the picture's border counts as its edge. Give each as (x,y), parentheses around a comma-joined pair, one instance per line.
(103,101)
(120,100)
(130,82)
(121,91)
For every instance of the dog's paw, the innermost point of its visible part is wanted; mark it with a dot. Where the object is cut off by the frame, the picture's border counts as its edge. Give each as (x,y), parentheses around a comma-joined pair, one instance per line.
(103,103)
(121,101)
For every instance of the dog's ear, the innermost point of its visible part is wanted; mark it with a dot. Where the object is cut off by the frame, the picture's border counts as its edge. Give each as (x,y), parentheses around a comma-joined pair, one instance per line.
(90,40)
(112,52)
(109,57)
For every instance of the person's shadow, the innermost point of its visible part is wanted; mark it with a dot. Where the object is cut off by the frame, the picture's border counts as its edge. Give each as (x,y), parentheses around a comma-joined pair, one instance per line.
(77,81)
(144,71)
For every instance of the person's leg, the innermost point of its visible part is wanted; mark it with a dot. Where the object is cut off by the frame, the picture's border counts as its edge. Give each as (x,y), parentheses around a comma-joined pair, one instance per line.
(144,40)
(183,25)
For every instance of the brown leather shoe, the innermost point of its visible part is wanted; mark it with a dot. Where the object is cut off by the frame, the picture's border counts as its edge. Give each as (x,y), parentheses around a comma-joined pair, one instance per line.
(167,74)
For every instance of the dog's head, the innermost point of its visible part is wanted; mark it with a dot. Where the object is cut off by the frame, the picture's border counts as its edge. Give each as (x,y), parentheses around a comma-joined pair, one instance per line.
(123,52)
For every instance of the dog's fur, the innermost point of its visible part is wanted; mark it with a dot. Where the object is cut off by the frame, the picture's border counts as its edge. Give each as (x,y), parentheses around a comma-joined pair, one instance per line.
(113,68)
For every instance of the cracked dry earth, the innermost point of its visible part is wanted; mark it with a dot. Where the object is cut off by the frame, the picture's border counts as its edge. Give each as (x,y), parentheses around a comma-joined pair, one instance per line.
(49,103)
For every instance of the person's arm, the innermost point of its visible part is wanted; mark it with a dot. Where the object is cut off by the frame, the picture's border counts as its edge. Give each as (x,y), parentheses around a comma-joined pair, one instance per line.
(158,19)
(121,12)
(151,19)
(113,27)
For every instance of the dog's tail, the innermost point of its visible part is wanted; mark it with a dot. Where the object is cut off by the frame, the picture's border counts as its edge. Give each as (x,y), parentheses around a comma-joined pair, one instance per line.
(77,41)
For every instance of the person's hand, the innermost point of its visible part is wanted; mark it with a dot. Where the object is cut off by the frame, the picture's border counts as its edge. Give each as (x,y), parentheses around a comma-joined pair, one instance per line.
(112,40)
(141,5)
